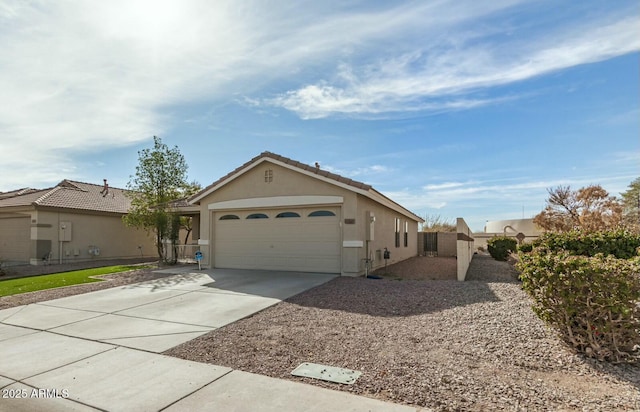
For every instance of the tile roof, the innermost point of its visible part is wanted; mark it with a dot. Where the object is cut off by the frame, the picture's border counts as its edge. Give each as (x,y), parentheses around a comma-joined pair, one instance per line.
(17,192)
(70,194)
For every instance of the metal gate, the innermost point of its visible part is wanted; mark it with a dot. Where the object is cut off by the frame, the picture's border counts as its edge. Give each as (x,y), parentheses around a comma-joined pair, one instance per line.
(430,244)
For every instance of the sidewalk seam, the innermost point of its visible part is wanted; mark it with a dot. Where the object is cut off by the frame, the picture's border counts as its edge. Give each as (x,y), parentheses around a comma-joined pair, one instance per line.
(189,394)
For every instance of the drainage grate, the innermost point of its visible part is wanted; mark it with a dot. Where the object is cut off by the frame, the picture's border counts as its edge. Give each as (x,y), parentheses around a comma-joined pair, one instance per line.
(326,373)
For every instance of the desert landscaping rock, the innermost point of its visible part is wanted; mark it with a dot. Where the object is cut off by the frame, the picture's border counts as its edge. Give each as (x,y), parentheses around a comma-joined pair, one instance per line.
(441,344)
(445,345)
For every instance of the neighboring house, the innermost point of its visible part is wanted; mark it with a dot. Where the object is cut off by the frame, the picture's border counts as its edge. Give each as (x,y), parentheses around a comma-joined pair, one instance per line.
(72,221)
(275,213)
(523,229)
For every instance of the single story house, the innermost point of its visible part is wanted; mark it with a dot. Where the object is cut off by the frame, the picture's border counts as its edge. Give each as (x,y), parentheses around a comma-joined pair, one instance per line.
(72,221)
(275,213)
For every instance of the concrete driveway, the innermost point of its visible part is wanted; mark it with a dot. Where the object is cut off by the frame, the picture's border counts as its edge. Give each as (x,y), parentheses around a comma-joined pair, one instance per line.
(160,314)
(99,351)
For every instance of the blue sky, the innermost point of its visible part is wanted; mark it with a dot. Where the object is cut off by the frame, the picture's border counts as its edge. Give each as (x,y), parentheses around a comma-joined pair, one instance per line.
(453,108)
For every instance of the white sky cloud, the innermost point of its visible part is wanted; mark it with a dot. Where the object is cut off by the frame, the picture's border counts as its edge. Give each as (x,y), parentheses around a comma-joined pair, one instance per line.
(86,76)
(483,193)
(433,80)
(372,171)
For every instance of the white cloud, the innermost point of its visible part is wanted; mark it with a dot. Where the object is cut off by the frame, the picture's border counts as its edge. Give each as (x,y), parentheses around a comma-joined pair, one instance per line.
(365,173)
(445,78)
(87,76)
(91,75)
(441,186)
(494,193)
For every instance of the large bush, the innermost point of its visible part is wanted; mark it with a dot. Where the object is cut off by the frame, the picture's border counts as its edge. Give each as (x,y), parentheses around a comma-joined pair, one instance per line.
(619,243)
(501,246)
(592,301)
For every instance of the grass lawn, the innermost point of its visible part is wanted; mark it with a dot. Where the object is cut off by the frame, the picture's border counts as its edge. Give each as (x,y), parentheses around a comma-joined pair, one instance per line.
(56,280)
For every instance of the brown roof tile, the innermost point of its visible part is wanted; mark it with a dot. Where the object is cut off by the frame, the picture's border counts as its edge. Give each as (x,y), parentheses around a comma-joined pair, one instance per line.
(17,192)
(73,195)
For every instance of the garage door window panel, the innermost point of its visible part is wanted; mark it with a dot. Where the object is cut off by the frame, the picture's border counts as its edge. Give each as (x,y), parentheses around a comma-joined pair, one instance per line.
(257,216)
(229,217)
(287,214)
(321,213)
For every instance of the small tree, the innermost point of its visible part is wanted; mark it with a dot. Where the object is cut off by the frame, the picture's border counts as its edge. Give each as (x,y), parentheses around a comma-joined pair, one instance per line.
(631,206)
(161,176)
(589,208)
(186,222)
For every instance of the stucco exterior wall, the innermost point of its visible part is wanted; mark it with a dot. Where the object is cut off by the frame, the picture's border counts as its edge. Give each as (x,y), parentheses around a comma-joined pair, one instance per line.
(353,214)
(252,185)
(15,238)
(465,247)
(384,234)
(447,244)
(105,232)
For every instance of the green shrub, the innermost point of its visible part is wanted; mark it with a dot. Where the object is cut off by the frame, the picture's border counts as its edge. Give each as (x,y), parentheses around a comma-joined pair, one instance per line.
(525,247)
(501,246)
(619,243)
(592,302)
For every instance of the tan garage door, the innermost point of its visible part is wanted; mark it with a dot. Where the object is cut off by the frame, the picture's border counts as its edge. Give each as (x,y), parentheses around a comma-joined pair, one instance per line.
(15,239)
(306,240)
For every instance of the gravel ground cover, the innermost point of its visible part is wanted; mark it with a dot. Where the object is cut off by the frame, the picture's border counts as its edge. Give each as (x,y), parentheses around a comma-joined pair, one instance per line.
(421,268)
(445,345)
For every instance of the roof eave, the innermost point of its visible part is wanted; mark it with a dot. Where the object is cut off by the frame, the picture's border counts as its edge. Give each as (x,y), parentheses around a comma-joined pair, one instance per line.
(370,192)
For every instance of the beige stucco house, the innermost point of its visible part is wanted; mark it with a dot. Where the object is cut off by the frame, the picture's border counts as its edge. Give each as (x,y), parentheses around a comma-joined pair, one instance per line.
(72,221)
(275,213)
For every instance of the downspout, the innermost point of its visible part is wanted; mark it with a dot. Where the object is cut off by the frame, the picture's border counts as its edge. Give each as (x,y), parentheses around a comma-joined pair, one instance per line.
(59,242)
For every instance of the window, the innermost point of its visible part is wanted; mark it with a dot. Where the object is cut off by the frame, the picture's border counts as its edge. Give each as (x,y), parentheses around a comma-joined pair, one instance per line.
(268,176)
(319,213)
(257,216)
(397,232)
(229,217)
(406,233)
(287,214)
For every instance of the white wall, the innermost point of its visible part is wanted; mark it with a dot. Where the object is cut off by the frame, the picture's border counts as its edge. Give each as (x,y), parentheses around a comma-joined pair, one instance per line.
(509,228)
(512,227)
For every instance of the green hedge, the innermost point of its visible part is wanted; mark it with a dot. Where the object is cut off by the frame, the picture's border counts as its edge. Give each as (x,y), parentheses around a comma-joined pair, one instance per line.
(620,243)
(593,302)
(501,246)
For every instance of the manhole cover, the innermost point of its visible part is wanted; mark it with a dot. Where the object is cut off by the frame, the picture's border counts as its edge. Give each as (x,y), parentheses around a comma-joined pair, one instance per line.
(326,373)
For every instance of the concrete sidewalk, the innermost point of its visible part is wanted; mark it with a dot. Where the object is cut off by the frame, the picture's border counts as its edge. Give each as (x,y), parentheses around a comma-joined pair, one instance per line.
(99,351)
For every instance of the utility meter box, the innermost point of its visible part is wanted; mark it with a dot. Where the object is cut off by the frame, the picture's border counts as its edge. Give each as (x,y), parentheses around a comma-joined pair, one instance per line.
(64,232)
